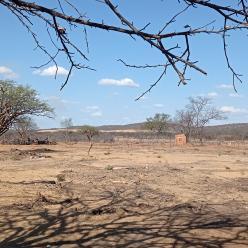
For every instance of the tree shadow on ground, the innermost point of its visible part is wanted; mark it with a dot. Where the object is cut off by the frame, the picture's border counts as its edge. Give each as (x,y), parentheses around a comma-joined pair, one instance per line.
(120,223)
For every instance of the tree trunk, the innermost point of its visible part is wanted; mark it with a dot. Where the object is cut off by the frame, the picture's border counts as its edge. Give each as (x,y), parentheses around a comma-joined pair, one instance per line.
(91,144)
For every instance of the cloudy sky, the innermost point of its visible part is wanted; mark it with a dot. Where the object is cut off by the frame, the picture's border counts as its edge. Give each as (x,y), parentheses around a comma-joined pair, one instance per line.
(107,95)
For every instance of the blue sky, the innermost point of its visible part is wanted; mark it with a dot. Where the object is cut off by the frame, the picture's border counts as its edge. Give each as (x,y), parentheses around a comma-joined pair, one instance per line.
(107,95)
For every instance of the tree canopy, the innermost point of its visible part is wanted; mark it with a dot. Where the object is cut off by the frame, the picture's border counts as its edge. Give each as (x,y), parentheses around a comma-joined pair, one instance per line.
(158,123)
(89,132)
(17,101)
(67,124)
(196,115)
(63,17)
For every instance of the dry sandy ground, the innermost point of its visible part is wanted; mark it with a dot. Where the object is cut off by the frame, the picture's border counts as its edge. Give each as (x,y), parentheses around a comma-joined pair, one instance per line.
(123,195)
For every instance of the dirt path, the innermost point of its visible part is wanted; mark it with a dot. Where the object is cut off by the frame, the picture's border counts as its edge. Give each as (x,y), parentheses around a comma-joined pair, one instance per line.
(124,195)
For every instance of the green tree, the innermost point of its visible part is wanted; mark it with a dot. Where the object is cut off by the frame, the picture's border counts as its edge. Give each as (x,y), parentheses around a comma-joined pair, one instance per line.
(159,123)
(89,132)
(18,101)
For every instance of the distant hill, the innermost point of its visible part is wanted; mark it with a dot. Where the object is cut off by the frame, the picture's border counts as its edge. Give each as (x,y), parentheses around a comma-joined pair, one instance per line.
(228,126)
(140,126)
(235,129)
(133,126)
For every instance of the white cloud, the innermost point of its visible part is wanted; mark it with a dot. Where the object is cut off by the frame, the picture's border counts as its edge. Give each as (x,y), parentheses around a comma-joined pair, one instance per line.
(232,109)
(60,104)
(59,99)
(93,111)
(128,82)
(225,86)
(158,105)
(92,108)
(212,94)
(70,102)
(235,95)
(51,71)
(7,72)
(96,114)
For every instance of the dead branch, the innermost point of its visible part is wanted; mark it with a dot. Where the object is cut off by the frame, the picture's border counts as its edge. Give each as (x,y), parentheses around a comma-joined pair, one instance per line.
(179,60)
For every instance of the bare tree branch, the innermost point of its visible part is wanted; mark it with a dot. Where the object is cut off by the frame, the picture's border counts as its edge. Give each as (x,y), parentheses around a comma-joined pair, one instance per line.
(180,60)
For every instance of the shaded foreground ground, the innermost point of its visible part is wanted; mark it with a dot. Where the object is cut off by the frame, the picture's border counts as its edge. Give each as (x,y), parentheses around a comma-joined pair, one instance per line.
(124,195)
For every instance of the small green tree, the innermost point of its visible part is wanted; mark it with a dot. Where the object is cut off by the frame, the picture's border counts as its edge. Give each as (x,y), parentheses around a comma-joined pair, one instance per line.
(158,123)
(67,124)
(18,101)
(89,132)
(24,126)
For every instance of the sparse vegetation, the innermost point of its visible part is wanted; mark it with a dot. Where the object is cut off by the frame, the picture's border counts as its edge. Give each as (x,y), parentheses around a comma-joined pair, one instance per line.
(141,193)
(142,187)
(109,167)
(60,177)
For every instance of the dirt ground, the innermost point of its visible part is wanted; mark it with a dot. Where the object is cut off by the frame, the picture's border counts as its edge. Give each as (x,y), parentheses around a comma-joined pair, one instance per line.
(123,195)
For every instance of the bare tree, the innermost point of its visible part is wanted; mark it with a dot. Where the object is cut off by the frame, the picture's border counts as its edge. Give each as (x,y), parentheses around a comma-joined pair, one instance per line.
(62,18)
(196,115)
(67,124)
(25,126)
(204,113)
(185,120)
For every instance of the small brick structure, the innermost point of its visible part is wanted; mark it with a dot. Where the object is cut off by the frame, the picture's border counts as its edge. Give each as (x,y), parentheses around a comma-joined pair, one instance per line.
(180,139)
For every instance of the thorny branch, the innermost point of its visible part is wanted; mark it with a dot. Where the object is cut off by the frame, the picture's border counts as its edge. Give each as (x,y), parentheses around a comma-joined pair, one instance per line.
(177,57)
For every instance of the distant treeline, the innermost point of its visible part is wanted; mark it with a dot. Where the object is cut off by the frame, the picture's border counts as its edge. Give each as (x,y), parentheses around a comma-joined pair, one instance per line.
(222,132)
